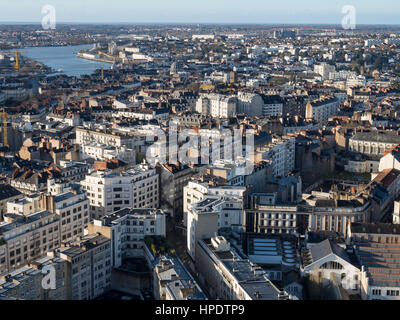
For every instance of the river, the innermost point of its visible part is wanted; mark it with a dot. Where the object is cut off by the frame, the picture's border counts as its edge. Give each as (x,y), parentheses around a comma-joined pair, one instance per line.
(64,59)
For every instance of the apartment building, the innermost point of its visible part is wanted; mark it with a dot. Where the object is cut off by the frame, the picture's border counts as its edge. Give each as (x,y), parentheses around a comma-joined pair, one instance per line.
(31,281)
(172,281)
(73,209)
(127,229)
(7,193)
(250,104)
(195,191)
(111,191)
(322,109)
(217,105)
(229,277)
(110,138)
(212,213)
(280,153)
(73,171)
(88,266)
(173,178)
(27,237)
(272,105)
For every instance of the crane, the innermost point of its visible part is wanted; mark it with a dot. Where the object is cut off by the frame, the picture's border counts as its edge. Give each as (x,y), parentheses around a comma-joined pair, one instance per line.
(17,60)
(5,140)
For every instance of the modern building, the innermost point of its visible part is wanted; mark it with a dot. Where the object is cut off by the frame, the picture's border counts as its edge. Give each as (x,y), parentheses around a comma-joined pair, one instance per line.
(229,277)
(111,191)
(127,229)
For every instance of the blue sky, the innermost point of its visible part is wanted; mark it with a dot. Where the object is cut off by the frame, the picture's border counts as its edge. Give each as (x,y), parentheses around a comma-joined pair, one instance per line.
(202,11)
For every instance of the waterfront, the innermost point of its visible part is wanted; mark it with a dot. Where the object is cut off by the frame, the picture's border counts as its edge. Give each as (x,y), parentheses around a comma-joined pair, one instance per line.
(64,59)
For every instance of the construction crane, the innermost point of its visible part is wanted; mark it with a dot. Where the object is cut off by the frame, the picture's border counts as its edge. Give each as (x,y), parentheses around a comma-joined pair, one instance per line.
(5,139)
(17,60)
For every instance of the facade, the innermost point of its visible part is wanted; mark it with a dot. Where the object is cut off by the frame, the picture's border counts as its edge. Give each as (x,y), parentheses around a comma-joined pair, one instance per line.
(173,178)
(217,105)
(250,104)
(127,229)
(321,110)
(272,219)
(373,143)
(327,214)
(272,105)
(327,262)
(281,154)
(84,136)
(73,209)
(88,266)
(27,237)
(376,247)
(111,191)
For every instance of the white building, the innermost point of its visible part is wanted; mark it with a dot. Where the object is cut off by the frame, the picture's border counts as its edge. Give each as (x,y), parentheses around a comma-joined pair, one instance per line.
(324,69)
(127,229)
(321,110)
(194,192)
(111,191)
(281,154)
(327,262)
(250,104)
(229,277)
(217,105)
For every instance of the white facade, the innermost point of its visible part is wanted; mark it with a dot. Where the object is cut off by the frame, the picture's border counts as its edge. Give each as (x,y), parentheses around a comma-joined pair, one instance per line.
(111,191)
(217,105)
(127,229)
(281,154)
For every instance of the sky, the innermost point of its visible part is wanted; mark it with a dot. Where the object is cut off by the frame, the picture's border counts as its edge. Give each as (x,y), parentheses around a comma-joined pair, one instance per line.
(202,11)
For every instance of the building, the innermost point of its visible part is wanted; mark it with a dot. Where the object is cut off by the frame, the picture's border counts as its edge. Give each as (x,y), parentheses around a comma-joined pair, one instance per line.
(173,178)
(27,237)
(88,266)
(250,104)
(127,229)
(280,153)
(324,70)
(327,262)
(229,277)
(116,139)
(217,105)
(72,206)
(322,109)
(26,282)
(377,247)
(111,191)
(390,159)
(195,191)
(329,214)
(7,193)
(374,143)
(172,281)
(272,105)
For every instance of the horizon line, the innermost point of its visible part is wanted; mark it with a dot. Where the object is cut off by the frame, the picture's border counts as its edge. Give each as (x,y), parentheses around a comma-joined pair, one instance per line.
(196,23)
